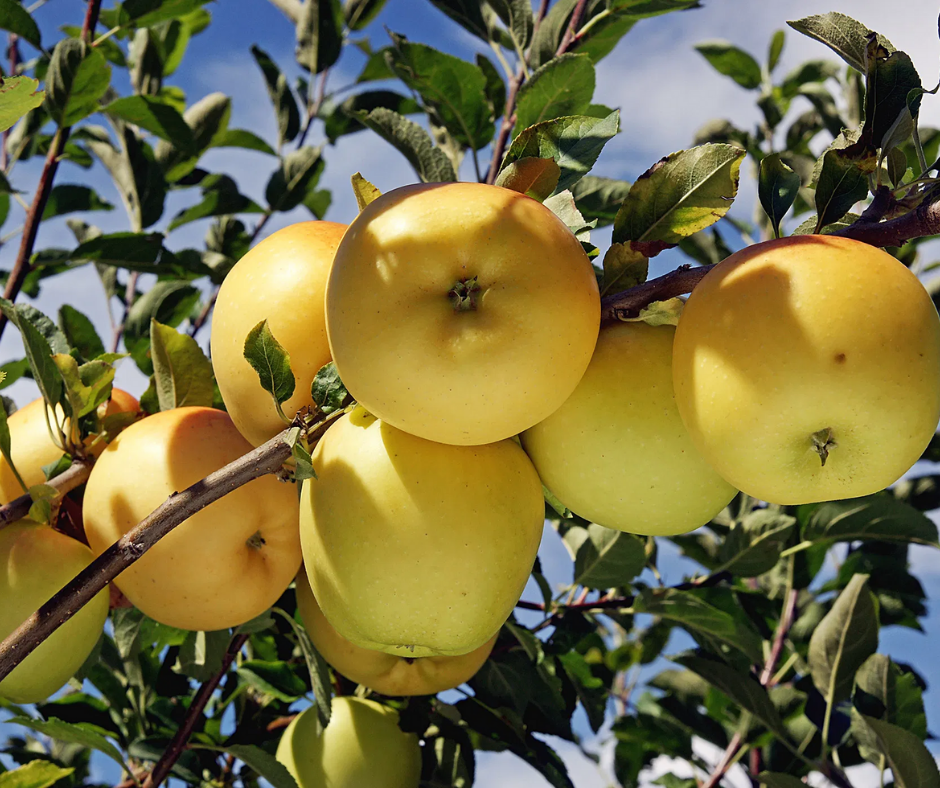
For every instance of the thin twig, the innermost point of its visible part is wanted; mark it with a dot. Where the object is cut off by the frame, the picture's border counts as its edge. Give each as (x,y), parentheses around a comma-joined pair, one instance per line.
(571,33)
(266,459)
(786,621)
(162,768)
(629,303)
(73,476)
(922,221)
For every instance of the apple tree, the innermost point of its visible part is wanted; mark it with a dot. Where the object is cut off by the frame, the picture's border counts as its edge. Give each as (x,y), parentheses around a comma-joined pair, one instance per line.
(778,673)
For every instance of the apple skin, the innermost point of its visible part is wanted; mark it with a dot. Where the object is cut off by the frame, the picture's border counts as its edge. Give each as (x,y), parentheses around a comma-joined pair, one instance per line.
(461,377)
(417,548)
(35,563)
(616,452)
(789,338)
(281,280)
(31,446)
(362,747)
(381,672)
(210,572)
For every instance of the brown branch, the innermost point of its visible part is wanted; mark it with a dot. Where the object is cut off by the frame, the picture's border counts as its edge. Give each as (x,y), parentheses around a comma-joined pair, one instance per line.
(571,33)
(40,198)
(73,476)
(266,459)
(786,621)
(162,768)
(922,221)
(629,303)
(725,763)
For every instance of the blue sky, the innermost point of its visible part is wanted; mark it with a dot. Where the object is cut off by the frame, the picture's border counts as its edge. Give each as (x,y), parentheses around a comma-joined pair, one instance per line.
(665,91)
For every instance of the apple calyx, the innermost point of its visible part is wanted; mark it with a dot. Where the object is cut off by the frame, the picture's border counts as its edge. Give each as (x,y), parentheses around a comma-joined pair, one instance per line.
(823,443)
(255,541)
(463,295)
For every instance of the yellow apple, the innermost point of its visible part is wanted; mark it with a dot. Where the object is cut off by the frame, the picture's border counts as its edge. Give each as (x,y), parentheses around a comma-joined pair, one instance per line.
(385,673)
(35,562)
(417,548)
(362,747)
(617,452)
(460,312)
(31,446)
(808,369)
(224,565)
(281,280)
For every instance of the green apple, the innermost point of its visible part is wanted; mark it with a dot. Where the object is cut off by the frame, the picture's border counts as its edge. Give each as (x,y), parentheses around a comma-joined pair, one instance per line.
(35,562)
(362,747)
(616,452)
(417,548)
(808,369)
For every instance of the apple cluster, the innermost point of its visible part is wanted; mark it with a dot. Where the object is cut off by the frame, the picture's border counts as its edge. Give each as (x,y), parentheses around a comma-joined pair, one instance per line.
(465,321)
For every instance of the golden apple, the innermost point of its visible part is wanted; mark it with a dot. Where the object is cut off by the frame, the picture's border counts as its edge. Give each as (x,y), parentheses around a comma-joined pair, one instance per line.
(417,548)
(362,747)
(35,562)
(617,452)
(461,312)
(281,280)
(31,447)
(385,673)
(224,565)
(808,369)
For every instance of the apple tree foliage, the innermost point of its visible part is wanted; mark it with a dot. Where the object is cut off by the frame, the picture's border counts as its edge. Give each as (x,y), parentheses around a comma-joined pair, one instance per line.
(779,665)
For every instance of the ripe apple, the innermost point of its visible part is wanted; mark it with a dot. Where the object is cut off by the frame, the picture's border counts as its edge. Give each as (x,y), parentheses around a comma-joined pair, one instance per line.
(35,562)
(617,452)
(385,673)
(362,747)
(281,280)
(224,565)
(808,369)
(31,447)
(417,548)
(460,312)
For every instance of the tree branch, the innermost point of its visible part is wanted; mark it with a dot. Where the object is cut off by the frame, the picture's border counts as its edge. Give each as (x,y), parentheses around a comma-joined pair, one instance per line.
(73,476)
(162,768)
(629,303)
(266,459)
(922,221)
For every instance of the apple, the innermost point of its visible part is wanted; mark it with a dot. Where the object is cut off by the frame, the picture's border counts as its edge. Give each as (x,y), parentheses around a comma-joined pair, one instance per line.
(281,280)
(417,548)
(460,312)
(224,565)
(362,747)
(381,672)
(35,562)
(808,369)
(31,447)
(616,452)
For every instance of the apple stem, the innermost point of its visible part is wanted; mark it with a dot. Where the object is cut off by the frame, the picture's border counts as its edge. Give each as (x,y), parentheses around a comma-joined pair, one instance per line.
(823,443)
(463,295)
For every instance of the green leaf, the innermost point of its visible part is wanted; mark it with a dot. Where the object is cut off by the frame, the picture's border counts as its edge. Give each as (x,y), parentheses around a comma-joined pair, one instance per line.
(366,191)
(182,373)
(534,177)
(358,13)
(745,691)
(608,558)
(146,13)
(344,118)
(563,86)
(156,117)
(754,544)
(285,105)
(842,34)
(599,198)
(472,15)
(429,161)
(38,773)
(70,198)
(208,120)
(18,95)
(319,35)
(776,780)
(16,19)
(733,62)
(201,654)
(298,174)
(82,734)
(912,764)
(316,665)
(303,463)
(77,77)
(681,194)
(13,371)
(777,187)
(453,89)
(516,15)
(890,81)
(84,393)
(623,269)
(844,639)
(897,693)
(5,441)
(38,352)
(775,49)
(694,613)
(242,138)
(135,251)
(169,302)
(274,678)
(220,197)
(261,762)
(874,517)
(268,358)
(574,143)
(328,391)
